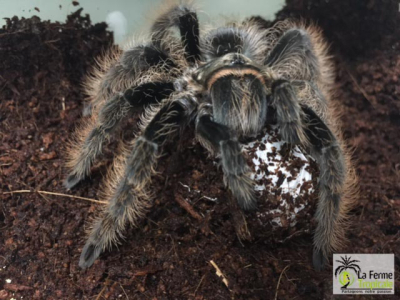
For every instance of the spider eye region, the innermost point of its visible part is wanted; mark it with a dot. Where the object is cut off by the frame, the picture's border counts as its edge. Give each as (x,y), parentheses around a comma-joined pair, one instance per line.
(238,60)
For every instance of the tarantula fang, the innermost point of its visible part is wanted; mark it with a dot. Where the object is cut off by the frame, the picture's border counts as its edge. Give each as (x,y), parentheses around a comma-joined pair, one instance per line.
(224,83)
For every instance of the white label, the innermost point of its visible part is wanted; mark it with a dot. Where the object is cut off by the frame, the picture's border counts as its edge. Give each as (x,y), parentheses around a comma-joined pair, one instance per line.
(367,274)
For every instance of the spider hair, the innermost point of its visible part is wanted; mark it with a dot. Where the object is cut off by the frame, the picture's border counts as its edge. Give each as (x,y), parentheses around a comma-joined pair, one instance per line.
(226,82)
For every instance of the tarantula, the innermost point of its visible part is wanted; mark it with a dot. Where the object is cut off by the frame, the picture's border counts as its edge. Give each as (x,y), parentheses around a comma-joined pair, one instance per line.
(224,83)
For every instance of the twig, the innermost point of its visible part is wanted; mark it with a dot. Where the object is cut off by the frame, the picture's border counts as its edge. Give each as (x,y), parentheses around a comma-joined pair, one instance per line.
(148,270)
(201,280)
(220,274)
(102,291)
(51,41)
(185,186)
(54,194)
(16,287)
(366,96)
(111,289)
(279,281)
(15,32)
(63,103)
(299,232)
(44,197)
(186,206)
(126,295)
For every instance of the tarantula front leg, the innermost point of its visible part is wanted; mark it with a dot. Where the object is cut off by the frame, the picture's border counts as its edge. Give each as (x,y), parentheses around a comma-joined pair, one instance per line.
(184,17)
(289,113)
(109,117)
(301,125)
(131,65)
(83,155)
(294,55)
(130,199)
(329,155)
(218,138)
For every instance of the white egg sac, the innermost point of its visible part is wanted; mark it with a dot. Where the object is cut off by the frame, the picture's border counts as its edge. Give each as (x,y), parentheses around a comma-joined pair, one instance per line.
(283,179)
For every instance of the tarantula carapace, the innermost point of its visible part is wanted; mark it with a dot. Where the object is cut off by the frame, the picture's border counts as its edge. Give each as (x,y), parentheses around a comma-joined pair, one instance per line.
(224,83)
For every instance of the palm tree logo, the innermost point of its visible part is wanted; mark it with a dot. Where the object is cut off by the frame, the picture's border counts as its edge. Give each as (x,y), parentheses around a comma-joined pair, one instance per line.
(346,278)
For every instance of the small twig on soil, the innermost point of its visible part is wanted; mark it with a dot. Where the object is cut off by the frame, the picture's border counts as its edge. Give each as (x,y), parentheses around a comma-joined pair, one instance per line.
(173,246)
(279,281)
(52,41)
(102,291)
(55,194)
(186,206)
(293,235)
(15,32)
(366,96)
(111,290)
(6,165)
(362,213)
(201,280)
(16,287)
(220,274)
(44,197)
(126,295)
(63,103)
(146,271)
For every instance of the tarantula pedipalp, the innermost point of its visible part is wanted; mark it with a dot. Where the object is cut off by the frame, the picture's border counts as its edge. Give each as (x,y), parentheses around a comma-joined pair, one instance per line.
(225,83)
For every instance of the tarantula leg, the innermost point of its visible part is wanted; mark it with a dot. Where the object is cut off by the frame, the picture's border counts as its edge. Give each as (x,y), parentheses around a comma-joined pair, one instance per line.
(114,106)
(310,94)
(130,201)
(189,29)
(301,125)
(109,118)
(132,63)
(218,138)
(186,19)
(148,93)
(294,54)
(328,153)
(288,112)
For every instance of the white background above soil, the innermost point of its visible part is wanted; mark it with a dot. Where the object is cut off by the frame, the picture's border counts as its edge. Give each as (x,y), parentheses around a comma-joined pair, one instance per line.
(138,14)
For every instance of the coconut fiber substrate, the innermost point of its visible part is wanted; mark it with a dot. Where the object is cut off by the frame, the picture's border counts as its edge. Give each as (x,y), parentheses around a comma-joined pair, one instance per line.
(169,256)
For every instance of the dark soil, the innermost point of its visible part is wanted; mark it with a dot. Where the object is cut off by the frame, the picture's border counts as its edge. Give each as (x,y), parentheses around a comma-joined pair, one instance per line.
(41,235)
(355,28)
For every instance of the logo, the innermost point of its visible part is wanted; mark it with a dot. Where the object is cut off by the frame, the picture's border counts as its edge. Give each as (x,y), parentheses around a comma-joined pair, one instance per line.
(363,274)
(346,278)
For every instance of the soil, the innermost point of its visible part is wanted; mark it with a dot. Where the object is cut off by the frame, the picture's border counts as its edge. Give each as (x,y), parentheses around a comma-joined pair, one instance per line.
(170,256)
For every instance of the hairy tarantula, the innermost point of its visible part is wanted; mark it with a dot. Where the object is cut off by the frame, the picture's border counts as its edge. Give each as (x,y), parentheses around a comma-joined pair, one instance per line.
(224,83)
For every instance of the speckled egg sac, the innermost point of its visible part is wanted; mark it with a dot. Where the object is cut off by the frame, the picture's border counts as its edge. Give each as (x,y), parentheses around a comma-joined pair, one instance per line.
(285,179)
